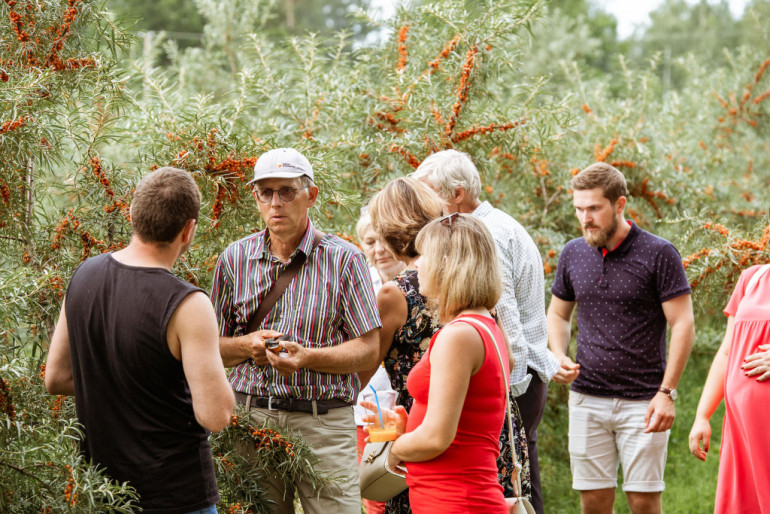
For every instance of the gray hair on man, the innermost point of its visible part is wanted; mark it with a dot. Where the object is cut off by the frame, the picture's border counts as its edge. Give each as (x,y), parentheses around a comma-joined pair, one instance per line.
(447,170)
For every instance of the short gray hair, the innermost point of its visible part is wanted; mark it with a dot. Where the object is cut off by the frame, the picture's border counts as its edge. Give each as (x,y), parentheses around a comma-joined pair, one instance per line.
(447,170)
(306,181)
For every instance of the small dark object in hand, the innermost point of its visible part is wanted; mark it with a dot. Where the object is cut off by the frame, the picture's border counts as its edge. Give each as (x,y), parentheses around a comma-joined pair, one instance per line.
(272,343)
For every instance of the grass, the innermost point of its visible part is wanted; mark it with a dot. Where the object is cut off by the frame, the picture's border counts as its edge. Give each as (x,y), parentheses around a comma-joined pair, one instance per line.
(690,483)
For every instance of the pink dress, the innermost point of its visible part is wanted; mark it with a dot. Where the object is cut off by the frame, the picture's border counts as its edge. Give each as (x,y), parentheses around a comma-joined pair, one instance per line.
(744,462)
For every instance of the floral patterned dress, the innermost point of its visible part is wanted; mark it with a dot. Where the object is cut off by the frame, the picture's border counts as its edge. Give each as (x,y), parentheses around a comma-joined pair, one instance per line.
(505,460)
(409,343)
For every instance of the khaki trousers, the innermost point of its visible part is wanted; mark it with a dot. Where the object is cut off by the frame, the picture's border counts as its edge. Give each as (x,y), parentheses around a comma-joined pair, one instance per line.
(332,436)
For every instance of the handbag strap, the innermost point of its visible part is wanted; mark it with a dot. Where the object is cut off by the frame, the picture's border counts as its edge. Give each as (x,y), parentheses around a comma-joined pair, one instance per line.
(755,278)
(280,285)
(517,466)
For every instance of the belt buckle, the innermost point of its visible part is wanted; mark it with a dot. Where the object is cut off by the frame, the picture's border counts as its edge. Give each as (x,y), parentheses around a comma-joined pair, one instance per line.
(270,403)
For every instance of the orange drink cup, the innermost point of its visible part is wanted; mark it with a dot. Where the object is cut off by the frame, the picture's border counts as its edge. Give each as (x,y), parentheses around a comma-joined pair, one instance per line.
(378,435)
(383,427)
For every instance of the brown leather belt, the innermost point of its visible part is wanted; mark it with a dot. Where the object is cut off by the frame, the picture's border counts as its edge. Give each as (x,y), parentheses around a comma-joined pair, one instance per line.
(290,404)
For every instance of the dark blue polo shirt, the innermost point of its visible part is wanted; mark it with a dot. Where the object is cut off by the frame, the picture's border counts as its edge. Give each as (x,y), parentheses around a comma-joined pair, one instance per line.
(621,340)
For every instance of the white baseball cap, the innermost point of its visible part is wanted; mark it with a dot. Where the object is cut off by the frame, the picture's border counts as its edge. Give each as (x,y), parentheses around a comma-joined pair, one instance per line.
(281,163)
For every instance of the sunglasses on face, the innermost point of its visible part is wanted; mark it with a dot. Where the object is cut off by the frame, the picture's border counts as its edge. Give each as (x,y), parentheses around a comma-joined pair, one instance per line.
(286,194)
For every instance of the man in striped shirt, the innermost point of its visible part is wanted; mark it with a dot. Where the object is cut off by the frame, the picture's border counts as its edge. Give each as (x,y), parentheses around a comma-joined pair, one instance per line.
(326,320)
(521,308)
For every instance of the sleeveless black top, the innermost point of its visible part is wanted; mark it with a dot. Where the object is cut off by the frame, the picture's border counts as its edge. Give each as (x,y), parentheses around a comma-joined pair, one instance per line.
(130,392)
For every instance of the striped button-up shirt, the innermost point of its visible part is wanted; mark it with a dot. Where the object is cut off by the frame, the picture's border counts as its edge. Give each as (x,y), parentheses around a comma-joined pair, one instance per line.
(329,302)
(522,305)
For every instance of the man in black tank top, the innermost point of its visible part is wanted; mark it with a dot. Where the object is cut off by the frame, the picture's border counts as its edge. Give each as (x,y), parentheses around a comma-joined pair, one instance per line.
(138,347)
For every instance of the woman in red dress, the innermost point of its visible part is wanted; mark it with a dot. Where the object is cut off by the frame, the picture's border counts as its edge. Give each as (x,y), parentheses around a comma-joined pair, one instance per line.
(740,374)
(450,444)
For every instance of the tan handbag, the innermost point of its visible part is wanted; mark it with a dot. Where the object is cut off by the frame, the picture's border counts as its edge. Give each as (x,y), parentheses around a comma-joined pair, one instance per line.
(522,505)
(378,481)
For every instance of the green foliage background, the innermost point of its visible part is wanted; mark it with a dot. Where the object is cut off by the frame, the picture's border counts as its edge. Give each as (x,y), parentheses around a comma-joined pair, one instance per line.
(533,90)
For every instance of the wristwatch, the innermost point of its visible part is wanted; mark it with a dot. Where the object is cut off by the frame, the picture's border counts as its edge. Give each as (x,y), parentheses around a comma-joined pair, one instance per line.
(671,393)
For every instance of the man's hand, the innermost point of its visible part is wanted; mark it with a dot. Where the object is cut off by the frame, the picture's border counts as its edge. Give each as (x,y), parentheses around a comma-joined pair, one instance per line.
(568,371)
(700,437)
(660,414)
(758,364)
(238,349)
(256,345)
(287,358)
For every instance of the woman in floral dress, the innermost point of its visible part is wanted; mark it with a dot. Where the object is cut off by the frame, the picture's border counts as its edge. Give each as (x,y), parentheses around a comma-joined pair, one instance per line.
(398,213)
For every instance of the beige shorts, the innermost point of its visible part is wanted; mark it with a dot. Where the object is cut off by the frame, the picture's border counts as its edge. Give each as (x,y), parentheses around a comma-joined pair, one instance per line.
(606,431)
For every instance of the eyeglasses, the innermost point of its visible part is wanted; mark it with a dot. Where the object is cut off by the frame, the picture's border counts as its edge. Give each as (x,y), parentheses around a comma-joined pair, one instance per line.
(447,220)
(286,194)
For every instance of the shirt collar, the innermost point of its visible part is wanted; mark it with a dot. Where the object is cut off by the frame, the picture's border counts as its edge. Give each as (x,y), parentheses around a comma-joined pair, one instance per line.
(305,245)
(624,245)
(483,209)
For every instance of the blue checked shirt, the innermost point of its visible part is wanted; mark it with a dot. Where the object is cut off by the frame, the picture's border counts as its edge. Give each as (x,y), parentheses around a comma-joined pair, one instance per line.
(329,302)
(521,308)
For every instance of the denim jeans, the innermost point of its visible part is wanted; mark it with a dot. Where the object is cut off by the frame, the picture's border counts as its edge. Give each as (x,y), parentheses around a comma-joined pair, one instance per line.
(208,510)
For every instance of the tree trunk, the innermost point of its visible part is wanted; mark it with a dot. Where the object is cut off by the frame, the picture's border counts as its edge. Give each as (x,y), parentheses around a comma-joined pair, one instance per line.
(290,22)
(29,184)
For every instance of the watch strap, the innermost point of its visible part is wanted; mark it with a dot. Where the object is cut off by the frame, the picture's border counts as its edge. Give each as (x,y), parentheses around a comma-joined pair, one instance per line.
(671,393)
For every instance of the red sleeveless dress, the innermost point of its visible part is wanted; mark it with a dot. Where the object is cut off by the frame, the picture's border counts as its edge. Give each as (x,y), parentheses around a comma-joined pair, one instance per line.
(463,479)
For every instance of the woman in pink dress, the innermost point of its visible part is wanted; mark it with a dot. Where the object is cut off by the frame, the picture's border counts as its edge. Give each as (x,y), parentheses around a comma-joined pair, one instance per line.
(450,444)
(740,374)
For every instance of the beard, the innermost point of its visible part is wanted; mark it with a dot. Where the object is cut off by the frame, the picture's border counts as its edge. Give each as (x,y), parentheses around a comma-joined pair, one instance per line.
(602,237)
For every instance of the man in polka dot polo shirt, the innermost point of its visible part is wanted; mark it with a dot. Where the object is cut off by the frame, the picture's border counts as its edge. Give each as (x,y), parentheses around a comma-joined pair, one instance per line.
(628,285)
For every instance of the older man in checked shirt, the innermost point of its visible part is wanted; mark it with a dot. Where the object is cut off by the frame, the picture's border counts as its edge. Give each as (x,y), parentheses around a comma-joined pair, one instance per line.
(326,320)
(521,309)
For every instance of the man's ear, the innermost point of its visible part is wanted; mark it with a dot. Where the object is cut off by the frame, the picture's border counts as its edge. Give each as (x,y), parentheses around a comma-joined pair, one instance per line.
(620,204)
(456,198)
(188,231)
(312,195)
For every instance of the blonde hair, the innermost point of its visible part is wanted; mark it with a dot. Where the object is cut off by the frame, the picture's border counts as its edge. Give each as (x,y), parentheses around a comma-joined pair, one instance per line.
(462,267)
(400,210)
(364,222)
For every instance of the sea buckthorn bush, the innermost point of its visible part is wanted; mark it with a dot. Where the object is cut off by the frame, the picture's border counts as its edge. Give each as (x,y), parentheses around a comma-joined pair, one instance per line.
(40,465)
(83,116)
(279,452)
